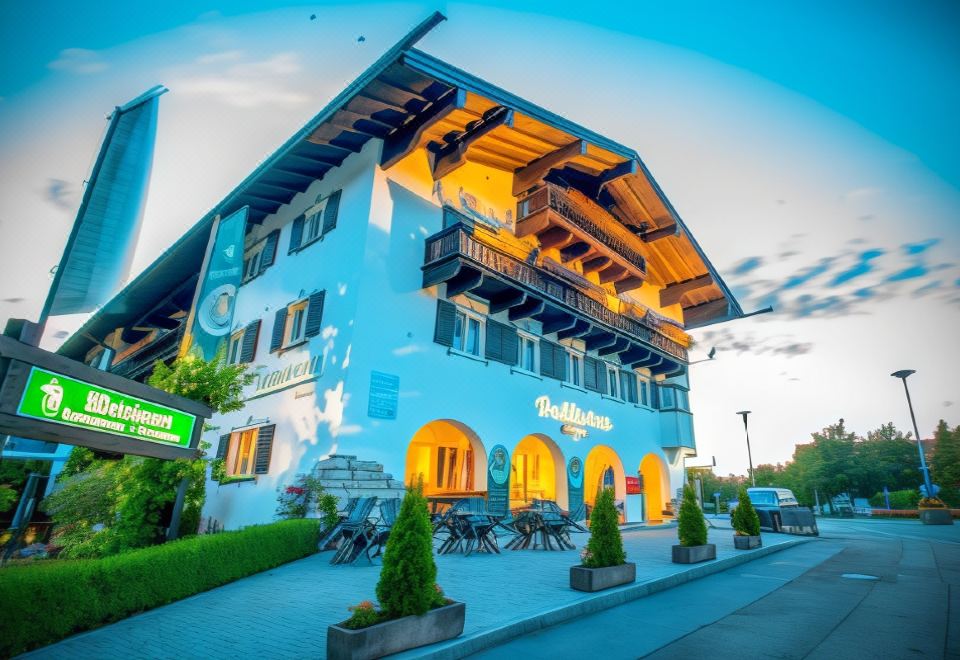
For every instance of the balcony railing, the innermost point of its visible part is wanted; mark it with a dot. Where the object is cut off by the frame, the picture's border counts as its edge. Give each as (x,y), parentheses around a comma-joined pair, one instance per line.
(457,241)
(603,229)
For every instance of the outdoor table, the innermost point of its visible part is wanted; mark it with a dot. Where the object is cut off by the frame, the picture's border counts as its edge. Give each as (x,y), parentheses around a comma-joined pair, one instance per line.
(551,528)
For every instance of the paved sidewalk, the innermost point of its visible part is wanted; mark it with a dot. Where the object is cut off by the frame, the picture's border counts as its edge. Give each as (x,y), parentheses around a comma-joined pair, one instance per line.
(284,612)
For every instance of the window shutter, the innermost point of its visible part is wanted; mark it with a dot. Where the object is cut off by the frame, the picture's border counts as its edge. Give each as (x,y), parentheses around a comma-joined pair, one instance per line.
(261,462)
(552,360)
(314,314)
(590,374)
(269,255)
(249,346)
(511,345)
(446,320)
(330,212)
(279,324)
(493,349)
(560,362)
(224,446)
(296,235)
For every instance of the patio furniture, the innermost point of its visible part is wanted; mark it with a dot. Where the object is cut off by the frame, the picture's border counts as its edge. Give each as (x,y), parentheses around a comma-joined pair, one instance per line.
(353,532)
(388,516)
(542,525)
(469,527)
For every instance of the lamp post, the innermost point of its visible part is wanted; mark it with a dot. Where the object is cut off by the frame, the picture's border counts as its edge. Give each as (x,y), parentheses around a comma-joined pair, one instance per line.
(744,413)
(902,375)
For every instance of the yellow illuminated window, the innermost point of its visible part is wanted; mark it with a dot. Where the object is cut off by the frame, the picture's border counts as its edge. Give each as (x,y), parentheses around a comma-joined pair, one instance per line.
(236,343)
(244,445)
(296,322)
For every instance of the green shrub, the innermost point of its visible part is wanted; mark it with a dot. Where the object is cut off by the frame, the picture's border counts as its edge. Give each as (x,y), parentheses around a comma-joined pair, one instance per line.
(899,499)
(52,599)
(745,520)
(408,578)
(691,527)
(605,547)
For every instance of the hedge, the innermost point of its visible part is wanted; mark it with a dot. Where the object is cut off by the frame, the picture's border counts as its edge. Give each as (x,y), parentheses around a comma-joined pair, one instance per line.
(48,600)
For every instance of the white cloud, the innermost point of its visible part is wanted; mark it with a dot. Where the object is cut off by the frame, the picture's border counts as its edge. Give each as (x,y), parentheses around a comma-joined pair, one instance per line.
(80,61)
(249,84)
(223,56)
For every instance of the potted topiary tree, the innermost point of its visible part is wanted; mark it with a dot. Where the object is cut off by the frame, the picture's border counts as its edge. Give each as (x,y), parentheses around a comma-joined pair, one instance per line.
(692,530)
(746,523)
(605,563)
(934,511)
(413,610)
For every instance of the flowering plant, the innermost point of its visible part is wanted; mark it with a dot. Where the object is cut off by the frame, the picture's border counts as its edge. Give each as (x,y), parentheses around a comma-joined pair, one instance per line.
(363,615)
(931,503)
(298,499)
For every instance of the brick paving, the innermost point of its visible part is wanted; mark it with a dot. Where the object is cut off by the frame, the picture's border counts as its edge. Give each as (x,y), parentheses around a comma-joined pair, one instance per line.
(284,612)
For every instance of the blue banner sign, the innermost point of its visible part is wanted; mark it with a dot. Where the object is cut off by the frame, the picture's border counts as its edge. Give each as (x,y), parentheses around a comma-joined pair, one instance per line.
(498,481)
(575,483)
(384,395)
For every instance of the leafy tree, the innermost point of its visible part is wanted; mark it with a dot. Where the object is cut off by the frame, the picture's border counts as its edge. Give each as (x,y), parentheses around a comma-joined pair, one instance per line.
(691,527)
(744,519)
(8,497)
(408,578)
(946,463)
(605,547)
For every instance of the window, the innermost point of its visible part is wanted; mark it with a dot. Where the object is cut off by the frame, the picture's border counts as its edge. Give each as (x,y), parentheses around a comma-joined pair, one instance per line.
(467,331)
(316,221)
(644,387)
(628,386)
(261,256)
(575,368)
(313,222)
(613,382)
(667,399)
(528,353)
(296,317)
(233,351)
(251,262)
(247,452)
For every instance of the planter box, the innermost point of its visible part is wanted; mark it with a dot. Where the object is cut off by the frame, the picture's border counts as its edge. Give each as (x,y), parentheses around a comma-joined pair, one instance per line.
(397,635)
(694,553)
(746,542)
(936,516)
(596,579)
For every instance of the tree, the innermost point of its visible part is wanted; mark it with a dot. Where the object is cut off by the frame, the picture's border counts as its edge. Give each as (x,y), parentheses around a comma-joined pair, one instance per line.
(946,463)
(605,547)
(745,520)
(691,526)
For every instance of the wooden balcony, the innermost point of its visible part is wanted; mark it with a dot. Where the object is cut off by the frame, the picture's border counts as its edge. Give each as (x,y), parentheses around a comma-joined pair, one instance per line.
(466,264)
(583,232)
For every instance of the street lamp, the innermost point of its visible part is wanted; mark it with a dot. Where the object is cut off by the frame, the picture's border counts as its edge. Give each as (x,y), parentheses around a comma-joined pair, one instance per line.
(744,413)
(902,375)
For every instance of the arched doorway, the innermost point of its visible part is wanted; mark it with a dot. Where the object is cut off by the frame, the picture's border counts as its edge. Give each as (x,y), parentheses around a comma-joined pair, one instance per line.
(537,471)
(656,486)
(449,457)
(603,469)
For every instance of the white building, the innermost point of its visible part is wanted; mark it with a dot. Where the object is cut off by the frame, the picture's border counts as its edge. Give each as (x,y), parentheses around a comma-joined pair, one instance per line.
(443,279)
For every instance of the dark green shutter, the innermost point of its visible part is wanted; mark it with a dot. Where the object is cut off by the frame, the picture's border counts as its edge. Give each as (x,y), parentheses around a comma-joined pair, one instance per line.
(330,212)
(296,234)
(590,374)
(446,321)
(224,446)
(249,346)
(314,314)
(552,360)
(269,255)
(261,461)
(279,324)
(501,343)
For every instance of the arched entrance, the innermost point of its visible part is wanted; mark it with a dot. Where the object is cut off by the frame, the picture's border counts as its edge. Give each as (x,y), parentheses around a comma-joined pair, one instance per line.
(603,469)
(656,486)
(449,457)
(537,471)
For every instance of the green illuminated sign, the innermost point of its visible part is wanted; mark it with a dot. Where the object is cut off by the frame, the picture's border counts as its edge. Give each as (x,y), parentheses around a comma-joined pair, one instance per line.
(60,399)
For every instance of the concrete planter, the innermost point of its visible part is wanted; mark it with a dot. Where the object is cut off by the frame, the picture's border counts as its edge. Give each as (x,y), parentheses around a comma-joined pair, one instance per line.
(936,516)
(746,542)
(397,635)
(694,554)
(597,579)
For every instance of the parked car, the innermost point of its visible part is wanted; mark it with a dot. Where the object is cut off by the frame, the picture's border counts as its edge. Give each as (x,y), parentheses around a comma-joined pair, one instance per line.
(779,511)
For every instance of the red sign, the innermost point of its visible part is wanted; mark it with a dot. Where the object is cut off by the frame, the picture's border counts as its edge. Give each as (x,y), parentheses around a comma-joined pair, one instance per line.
(633,486)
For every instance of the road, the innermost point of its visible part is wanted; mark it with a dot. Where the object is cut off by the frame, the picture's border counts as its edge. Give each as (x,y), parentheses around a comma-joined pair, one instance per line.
(865,589)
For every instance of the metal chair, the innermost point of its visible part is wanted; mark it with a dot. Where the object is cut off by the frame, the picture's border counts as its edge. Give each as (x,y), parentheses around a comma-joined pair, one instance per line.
(354,532)
(389,509)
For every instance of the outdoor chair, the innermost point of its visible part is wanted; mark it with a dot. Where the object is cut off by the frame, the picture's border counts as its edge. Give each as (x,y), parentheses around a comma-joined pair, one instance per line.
(469,528)
(353,533)
(388,516)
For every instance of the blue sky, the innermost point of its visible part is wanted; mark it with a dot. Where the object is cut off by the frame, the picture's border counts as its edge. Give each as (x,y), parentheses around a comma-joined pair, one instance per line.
(812,149)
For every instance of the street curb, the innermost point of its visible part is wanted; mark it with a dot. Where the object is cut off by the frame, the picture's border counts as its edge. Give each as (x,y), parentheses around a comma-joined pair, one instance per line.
(461,647)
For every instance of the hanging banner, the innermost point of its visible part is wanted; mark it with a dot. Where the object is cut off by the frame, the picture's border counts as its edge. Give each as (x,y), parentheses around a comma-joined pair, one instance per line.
(498,481)
(575,483)
(212,313)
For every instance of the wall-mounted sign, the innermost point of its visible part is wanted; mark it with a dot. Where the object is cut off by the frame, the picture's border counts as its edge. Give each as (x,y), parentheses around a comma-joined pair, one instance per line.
(634,486)
(569,413)
(575,483)
(56,398)
(576,432)
(498,481)
(289,376)
(384,395)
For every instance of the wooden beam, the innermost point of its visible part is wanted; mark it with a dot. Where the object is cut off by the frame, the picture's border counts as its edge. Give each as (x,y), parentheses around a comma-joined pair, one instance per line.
(617,347)
(703,314)
(563,322)
(555,237)
(673,229)
(625,168)
(579,329)
(673,292)
(506,301)
(448,157)
(407,137)
(634,353)
(628,284)
(574,251)
(650,361)
(600,340)
(596,264)
(527,177)
(612,273)
(466,280)
(526,309)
